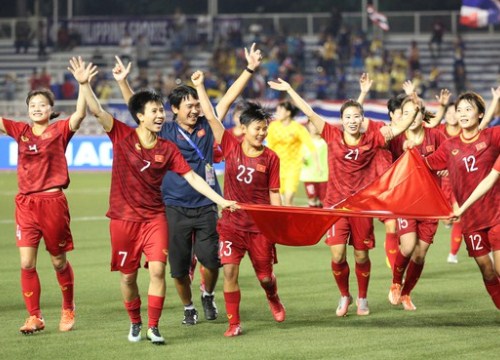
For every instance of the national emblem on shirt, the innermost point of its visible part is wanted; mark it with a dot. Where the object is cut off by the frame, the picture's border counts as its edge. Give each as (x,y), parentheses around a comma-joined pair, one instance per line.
(201,133)
(46,135)
(260,168)
(481,146)
(430,148)
(159,158)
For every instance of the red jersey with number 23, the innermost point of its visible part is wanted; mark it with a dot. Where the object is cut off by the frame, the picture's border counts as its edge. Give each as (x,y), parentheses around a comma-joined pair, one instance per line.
(469,162)
(351,167)
(247,180)
(137,174)
(41,163)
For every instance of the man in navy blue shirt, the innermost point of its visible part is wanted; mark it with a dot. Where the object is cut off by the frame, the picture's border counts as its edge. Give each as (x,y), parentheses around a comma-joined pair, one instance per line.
(192,219)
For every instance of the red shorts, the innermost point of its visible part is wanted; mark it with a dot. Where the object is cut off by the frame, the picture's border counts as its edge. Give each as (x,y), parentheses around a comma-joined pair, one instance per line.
(129,240)
(483,241)
(315,190)
(234,244)
(354,231)
(425,229)
(46,215)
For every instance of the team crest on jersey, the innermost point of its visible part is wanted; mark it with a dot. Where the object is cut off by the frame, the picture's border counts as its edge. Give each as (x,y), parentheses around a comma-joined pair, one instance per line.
(454,152)
(159,158)
(46,135)
(201,133)
(25,139)
(138,146)
(62,244)
(430,148)
(481,146)
(364,147)
(260,168)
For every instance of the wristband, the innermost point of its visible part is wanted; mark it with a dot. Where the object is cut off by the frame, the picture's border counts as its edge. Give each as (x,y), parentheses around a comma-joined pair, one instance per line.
(249,70)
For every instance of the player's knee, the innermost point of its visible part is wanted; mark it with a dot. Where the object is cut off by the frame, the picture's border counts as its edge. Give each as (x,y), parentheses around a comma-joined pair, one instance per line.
(58,262)
(265,279)
(128,279)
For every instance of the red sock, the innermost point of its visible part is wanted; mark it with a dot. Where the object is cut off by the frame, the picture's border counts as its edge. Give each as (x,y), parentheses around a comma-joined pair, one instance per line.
(412,275)
(456,238)
(30,285)
(341,274)
(493,288)
(232,300)
(134,310)
(391,247)
(155,307)
(271,288)
(399,268)
(363,276)
(66,278)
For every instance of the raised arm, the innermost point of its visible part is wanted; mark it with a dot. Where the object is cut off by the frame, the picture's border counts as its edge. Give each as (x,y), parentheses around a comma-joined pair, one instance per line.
(282,85)
(217,128)
(120,73)
(491,109)
(203,188)
(84,72)
(254,58)
(482,188)
(83,77)
(365,84)
(2,127)
(443,99)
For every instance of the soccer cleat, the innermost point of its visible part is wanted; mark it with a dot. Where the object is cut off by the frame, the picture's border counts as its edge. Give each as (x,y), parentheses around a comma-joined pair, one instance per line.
(32,325)
(154,336)
(190,317)
(209,307)
(395,294)
(233,330)
(362,304)
(452,259)
(407,303)
(67,320)
(277,308)
(134,335)
(344,303)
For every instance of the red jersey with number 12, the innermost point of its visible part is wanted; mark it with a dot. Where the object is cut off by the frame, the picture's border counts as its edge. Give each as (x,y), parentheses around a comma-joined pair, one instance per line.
(137,174)
(247,180)
(469,162)
(41,163)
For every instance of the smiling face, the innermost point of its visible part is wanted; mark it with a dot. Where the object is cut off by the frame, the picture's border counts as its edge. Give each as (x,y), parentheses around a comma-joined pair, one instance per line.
(153,117)
(255,132)
(187,113)
(409,111)
(450,116)
(352,118)
(467,114)
(39,109)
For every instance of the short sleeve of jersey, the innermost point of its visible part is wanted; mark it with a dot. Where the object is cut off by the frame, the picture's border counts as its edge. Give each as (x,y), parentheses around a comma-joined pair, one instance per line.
(177,162)
(228,143)
(14,128)
(330,133)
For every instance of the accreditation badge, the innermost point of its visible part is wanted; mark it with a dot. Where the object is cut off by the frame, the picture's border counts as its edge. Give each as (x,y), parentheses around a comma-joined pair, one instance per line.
(210,174)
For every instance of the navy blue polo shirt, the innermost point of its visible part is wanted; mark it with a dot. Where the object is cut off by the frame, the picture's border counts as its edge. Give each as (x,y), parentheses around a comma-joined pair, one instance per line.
(177,191)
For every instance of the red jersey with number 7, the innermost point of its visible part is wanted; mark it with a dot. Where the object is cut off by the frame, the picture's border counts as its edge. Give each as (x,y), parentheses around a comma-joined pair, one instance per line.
(469,161)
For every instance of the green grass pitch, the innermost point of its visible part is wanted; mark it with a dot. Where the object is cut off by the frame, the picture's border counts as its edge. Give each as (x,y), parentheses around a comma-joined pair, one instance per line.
(455,318)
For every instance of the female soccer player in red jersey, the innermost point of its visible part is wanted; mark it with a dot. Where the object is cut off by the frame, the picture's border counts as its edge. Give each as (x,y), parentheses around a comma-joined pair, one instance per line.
(41,206)
(251,176)
(137,212)
(469,158)
(415,235)
(351,167)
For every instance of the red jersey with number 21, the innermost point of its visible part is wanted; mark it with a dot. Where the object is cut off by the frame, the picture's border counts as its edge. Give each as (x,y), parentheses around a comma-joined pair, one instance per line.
(247,180)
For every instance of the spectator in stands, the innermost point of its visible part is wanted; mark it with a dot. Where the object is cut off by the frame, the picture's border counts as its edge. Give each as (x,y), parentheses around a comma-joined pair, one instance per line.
(413,58)
(126,47)
(23,36)
(335,22)
(98,58)
(459,77)
(329,56)
(68,88)
(142,51)
(436,38)
(41,36)
(44,80)
(63,40)
(9,87)
(34,80)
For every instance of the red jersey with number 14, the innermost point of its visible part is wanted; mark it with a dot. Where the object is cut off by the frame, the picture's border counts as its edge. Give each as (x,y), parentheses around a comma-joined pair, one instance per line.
(350,167)
(137,174)
(41,163)
(247,180)
(469,162)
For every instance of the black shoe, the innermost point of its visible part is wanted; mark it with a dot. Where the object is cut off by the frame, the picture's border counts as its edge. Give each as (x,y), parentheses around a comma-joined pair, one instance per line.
(154,336)
(209,307)
(190,317)
(134,334)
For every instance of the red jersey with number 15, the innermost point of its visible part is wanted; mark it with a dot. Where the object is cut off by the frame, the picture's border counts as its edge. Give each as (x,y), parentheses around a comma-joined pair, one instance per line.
(247,180)
(351,167)
(41,163)
(137,174)
(469,162)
